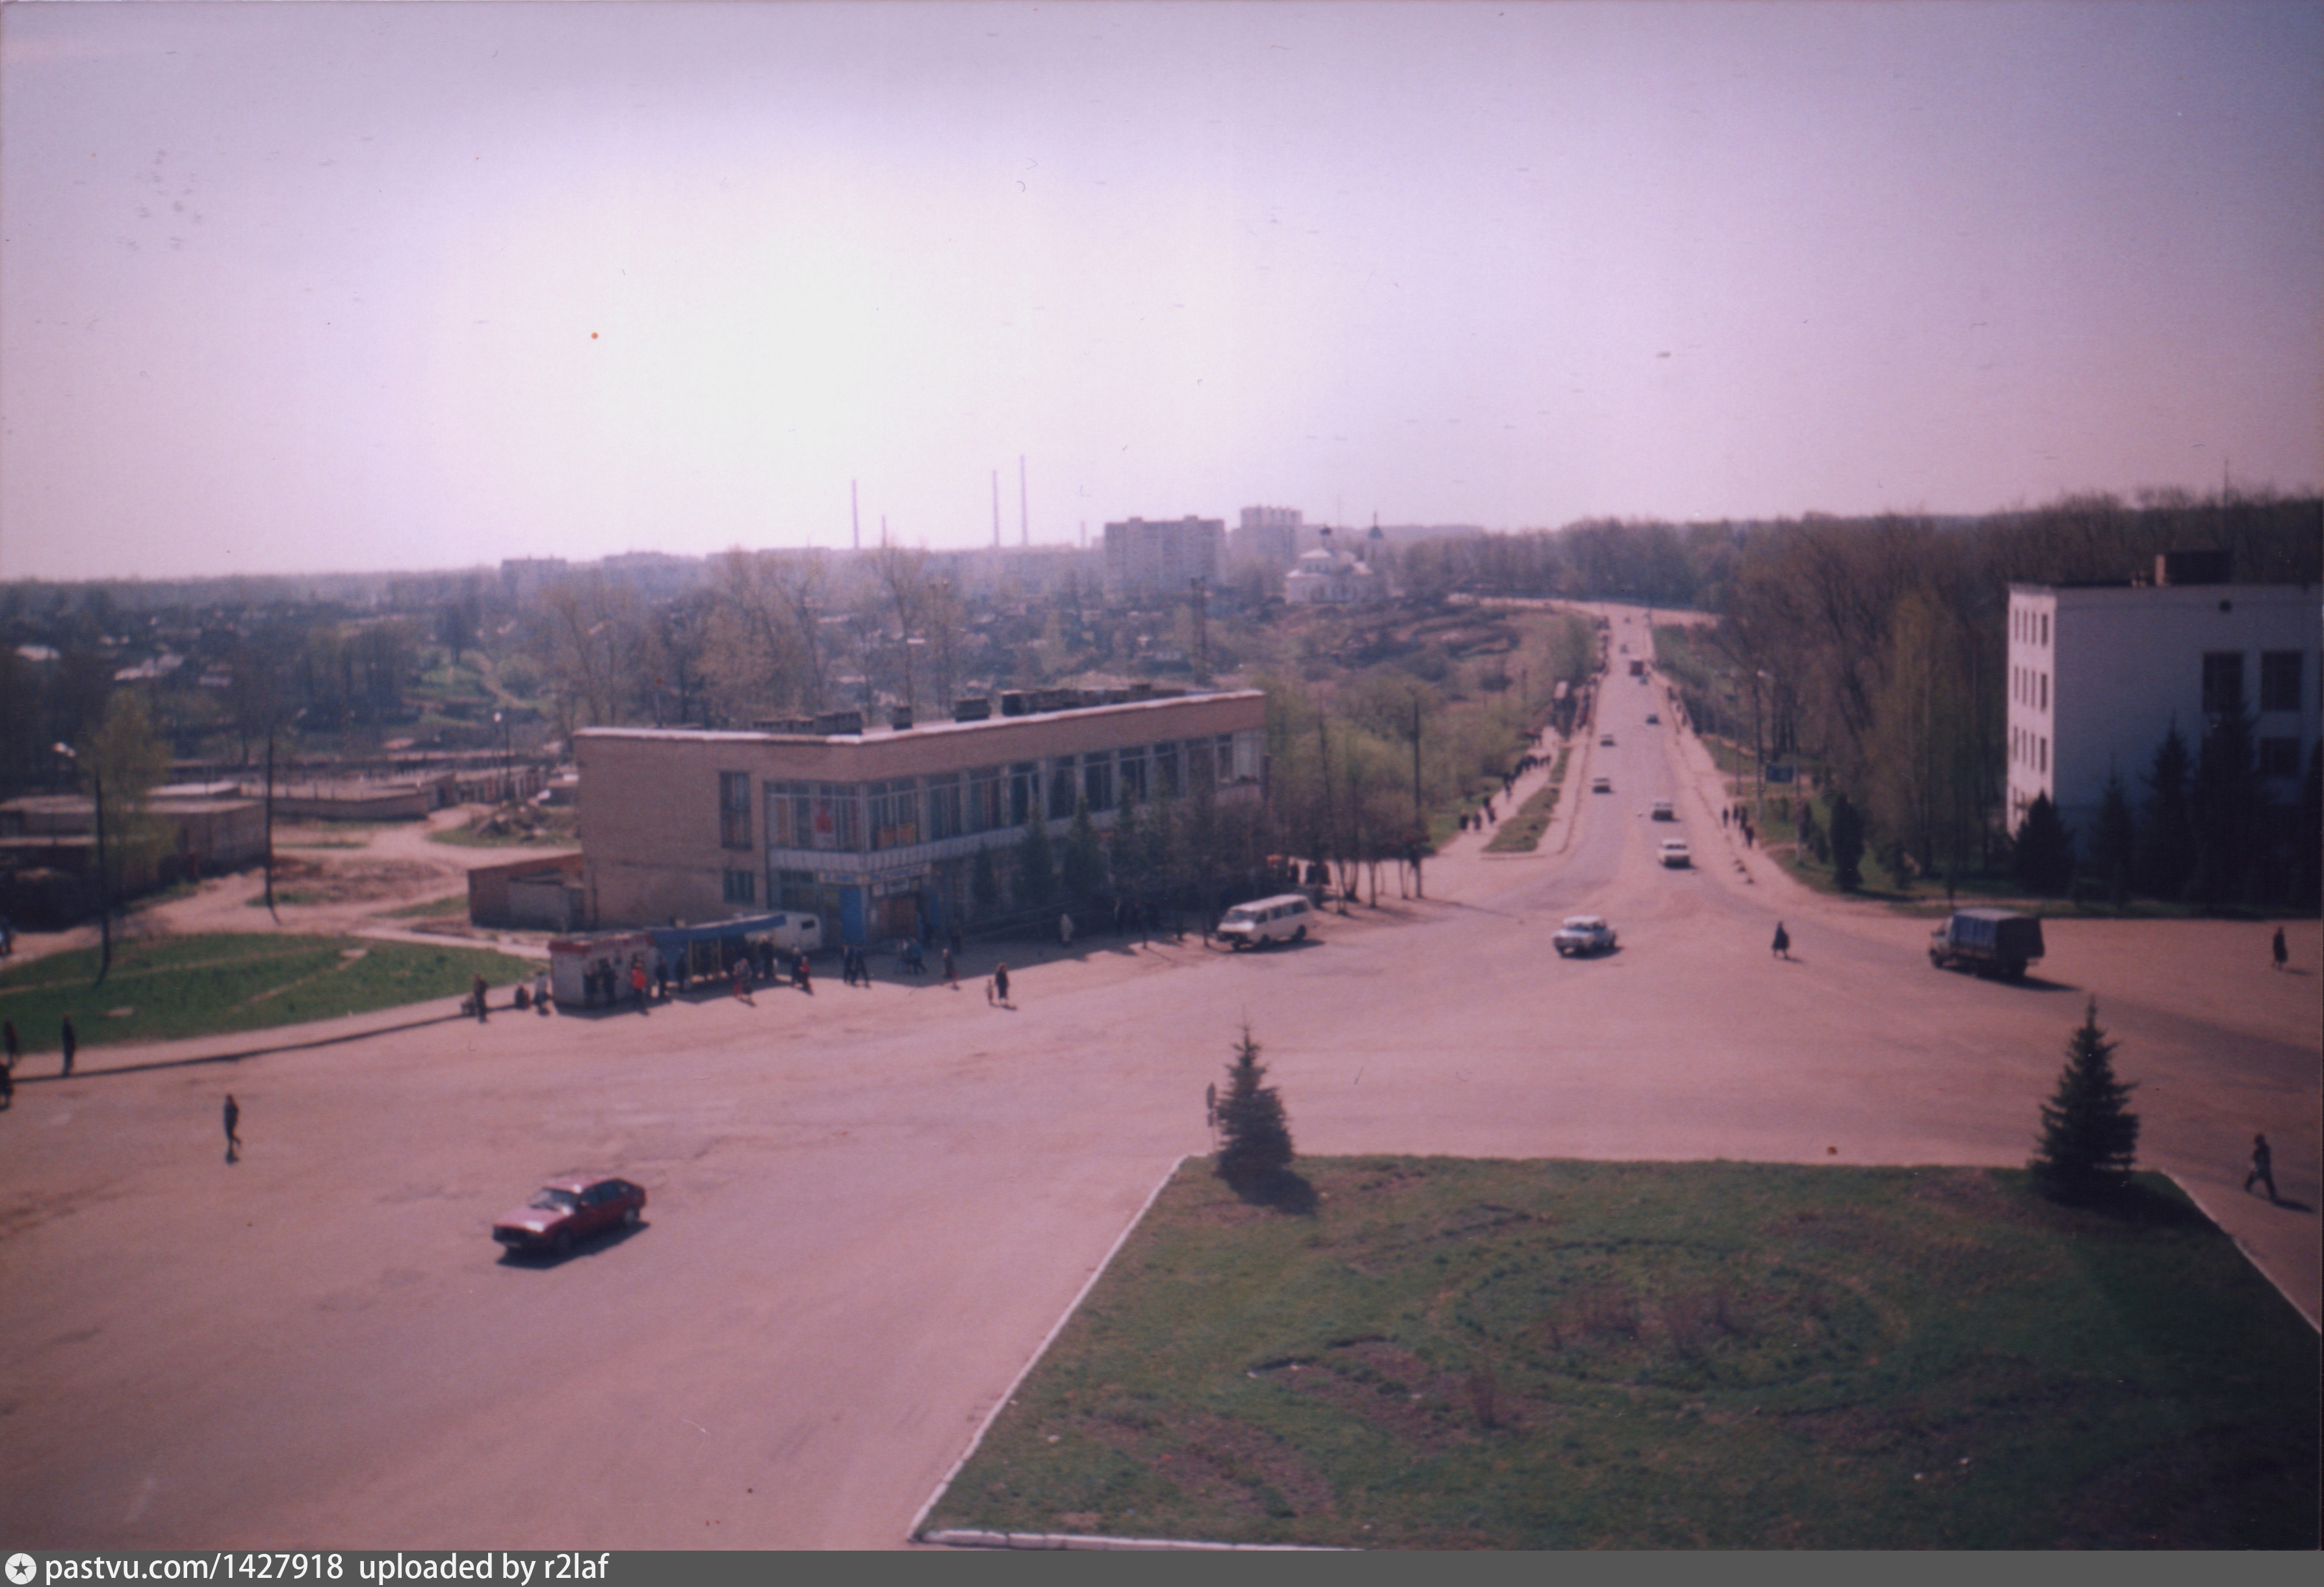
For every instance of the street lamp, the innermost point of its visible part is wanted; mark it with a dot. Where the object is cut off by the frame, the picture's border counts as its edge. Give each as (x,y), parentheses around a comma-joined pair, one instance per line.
(508,756)
(104,879)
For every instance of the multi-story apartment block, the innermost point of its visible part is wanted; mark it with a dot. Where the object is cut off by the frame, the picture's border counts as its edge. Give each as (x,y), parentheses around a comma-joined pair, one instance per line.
(1144,560)
(878,832)
(1269,535)
(2098,676)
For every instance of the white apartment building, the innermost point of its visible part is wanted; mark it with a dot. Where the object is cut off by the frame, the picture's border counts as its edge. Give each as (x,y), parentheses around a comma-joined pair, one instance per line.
(2099,674)
(1144,560)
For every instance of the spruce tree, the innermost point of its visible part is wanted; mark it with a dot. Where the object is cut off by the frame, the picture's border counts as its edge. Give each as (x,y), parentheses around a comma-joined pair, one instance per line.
(2090,1136)
(2117,846)
(1254,1139)
(2166,839)
(2045,849)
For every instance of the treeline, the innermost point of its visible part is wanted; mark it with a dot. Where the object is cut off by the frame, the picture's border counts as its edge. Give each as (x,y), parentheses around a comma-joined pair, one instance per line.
(1878,647)
(1357,766)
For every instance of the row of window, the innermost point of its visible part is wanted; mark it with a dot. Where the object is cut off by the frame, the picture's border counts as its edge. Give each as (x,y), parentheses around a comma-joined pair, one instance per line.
(853,817)
(2279,678)
(2029,627)
(2029,749)
(2029,688)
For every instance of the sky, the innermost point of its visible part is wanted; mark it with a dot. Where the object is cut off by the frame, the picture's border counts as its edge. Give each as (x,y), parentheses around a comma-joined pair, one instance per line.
(343,287)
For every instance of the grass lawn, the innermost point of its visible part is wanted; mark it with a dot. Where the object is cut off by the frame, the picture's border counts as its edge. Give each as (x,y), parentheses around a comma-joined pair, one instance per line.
(204,985)
(1461,1354)
(1521,832)
(455,903)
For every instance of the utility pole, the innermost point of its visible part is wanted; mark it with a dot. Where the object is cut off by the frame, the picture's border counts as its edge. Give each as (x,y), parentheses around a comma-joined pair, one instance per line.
(1419,817)
(270,824)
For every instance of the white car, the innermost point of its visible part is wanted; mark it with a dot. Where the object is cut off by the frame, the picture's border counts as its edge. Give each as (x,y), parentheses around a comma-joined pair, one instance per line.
(1606,741)
(1601,785)
(1664,811)
(1675,854)
(1282,918)
(1583,934)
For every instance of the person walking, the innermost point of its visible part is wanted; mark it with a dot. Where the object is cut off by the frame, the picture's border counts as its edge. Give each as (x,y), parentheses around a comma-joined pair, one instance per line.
(8,1088)
(8,1041)
(1065,930)
(70,1040)
(2278,949)
(477,995)
(1000,983)
(799,974)
(232,1129)
(1783,942)
(540,993)
(2263,1168)
(638,982)
(950,971)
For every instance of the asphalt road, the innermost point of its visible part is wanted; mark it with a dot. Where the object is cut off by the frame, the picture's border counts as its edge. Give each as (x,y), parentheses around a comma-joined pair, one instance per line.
(869,1206)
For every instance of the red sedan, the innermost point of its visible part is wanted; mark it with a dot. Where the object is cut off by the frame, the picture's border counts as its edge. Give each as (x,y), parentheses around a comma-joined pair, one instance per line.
(568,1210)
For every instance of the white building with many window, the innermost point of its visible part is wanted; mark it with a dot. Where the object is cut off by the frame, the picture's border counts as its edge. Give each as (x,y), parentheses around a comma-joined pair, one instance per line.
(2098,676)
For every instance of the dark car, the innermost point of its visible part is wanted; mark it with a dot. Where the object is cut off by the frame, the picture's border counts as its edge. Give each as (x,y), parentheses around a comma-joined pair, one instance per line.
(566,1211)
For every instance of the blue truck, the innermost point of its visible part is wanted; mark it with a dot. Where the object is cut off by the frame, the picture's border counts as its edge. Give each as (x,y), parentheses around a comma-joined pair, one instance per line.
(1991,942)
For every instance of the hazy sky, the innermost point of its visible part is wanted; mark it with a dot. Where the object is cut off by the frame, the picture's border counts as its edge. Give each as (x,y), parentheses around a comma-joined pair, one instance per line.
(305,287)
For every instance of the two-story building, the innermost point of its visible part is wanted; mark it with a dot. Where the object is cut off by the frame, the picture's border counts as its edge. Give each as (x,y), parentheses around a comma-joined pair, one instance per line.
(2098,676)
(878,831)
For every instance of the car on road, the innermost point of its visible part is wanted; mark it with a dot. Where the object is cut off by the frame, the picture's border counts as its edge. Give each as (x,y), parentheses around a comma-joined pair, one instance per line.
(1653,720)
(1664,811)
(1675,854)
(565,1212)
(1282,918)
(1582,934)
(1606,741)
(1601,785)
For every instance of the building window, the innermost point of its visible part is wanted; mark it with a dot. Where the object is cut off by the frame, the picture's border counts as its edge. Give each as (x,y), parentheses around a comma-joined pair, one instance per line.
(1201,767)
(943,806)
(895,815)
(741,887)
(1168,783)
(2045,692)
(2279,757)
(2223,683)
(2043,768)
(834,821)
(2279,681)
(734,809)
(984,812)
(793,890)
(1133,776)
(1061,788)
(1097,780)
(1024,788)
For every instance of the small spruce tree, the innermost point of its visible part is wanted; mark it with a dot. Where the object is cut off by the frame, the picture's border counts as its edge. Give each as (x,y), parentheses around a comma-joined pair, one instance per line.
(2045,849)
(1254,1139)
(2090,1136)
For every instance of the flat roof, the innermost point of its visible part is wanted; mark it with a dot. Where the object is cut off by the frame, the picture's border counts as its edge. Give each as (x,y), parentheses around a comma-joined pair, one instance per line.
(728,735)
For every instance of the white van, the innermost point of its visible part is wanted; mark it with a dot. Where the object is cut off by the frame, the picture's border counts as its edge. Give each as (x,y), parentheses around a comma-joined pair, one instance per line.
(1281,918)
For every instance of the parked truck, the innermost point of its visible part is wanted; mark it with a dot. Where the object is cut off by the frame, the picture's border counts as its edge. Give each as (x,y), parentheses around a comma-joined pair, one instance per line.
(1991,942)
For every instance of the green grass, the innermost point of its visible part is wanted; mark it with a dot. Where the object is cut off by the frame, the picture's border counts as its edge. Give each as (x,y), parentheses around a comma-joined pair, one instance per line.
(1457,1353)
(205,985)
(1521,832)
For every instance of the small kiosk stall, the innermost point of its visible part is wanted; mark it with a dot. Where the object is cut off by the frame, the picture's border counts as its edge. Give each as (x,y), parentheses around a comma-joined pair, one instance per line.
(594,971)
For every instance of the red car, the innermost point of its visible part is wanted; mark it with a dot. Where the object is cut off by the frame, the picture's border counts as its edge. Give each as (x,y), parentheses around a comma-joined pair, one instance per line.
(568,1210)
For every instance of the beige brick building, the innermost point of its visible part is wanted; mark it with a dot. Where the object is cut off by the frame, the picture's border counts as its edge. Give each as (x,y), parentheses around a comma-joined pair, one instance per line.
(878,831)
